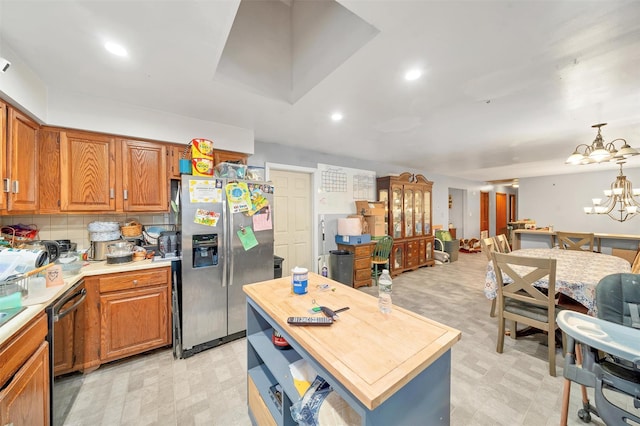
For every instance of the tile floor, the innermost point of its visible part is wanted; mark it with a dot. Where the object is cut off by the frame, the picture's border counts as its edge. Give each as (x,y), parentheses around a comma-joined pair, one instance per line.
(513,388)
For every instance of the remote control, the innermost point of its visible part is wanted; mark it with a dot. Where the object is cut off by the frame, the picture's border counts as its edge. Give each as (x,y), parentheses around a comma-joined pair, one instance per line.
(310,320)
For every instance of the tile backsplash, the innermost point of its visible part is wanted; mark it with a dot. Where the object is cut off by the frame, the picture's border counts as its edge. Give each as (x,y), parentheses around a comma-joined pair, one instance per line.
(74,227)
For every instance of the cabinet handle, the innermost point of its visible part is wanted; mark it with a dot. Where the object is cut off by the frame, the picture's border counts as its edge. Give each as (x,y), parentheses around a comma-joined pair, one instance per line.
(112,193)
(6,185)
(16,187)
(126,194)
(135,282)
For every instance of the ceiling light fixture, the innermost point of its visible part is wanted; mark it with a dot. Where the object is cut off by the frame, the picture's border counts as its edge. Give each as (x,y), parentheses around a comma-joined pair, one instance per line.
(621,203)
(115,48)
(413,74)
(336,116)
(599,151)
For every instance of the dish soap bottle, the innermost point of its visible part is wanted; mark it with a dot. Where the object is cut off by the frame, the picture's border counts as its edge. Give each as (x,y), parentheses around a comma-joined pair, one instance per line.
(384,292)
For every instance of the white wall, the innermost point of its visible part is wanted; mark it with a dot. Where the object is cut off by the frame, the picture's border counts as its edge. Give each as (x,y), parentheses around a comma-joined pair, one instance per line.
(559,201)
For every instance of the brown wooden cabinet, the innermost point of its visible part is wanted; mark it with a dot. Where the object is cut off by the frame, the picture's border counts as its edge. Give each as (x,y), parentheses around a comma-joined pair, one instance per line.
(144,176)
(3,150)
(22,156)
(24,376)
(408,219)
(87,172)
(130,314)
(220,156)
(361,262)
(49,171)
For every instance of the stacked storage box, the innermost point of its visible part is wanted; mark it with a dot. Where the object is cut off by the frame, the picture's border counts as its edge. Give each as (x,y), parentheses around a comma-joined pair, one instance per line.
(373,212)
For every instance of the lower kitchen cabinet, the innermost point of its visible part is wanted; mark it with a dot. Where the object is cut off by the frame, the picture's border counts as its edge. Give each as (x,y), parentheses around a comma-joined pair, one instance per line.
(132,313)
(24,376)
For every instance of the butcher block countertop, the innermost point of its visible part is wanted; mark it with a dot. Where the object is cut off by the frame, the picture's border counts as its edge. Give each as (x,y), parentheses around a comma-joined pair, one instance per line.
(372,354)
(37,302)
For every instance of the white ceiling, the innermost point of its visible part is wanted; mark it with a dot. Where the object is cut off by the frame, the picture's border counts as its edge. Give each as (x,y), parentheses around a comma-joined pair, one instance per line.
(509,87)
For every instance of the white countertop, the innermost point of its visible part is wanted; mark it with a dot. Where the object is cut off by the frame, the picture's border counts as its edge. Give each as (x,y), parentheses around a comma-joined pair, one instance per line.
(44,298)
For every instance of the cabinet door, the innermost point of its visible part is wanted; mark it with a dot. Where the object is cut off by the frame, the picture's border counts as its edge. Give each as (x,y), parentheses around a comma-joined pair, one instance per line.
(409,221)
(427,212)
(412,254)
(133,322)
(418,212)
(176,153)
(235,157)
(145,186)
(25,401)
(87,172)
(396,211)
(3,151)
(49,172)
(63,335)
(397,257)
(23,162)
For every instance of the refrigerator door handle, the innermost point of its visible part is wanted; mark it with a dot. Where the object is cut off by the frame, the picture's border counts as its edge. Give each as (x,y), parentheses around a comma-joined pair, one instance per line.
(227,242)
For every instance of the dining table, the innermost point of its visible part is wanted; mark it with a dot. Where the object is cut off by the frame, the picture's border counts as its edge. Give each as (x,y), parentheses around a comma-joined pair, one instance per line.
(577,273)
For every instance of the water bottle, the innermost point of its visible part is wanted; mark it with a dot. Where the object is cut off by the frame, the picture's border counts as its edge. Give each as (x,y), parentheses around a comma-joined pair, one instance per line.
(384,292)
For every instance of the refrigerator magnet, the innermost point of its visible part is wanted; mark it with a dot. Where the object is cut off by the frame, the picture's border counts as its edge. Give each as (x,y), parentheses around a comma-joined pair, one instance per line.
(206,217)
(247,238)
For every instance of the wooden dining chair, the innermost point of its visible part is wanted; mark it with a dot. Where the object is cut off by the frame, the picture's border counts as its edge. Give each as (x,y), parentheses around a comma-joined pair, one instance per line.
(575,240)
(488,246)
(502,243)
(520,301)
(381,253)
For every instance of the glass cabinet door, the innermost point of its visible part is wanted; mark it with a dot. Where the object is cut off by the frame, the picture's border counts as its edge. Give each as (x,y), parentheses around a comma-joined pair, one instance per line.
(427,212)
(398,256)
(408,213)
(396,211)
(417,213)
(383,195)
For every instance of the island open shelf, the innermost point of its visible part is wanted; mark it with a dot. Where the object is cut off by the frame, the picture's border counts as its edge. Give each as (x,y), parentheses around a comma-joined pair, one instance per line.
(390,369)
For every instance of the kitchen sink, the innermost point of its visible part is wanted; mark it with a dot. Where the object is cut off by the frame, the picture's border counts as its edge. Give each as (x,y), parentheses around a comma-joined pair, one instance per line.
(7,314)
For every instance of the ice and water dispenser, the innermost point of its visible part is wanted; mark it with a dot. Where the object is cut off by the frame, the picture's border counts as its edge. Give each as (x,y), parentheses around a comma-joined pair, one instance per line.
(205,250)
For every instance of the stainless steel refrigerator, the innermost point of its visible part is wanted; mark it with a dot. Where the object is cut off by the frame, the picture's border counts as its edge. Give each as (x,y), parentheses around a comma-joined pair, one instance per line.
(219,257)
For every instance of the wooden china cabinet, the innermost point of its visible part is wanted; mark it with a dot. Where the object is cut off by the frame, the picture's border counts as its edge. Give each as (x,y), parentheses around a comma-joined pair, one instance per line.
(408,220)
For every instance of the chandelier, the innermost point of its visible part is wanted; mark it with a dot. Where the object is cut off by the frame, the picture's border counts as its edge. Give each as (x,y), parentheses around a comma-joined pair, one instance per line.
(599,151)
(621,202)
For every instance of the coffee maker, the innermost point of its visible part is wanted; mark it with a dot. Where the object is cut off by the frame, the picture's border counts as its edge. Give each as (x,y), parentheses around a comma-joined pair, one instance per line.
(169,244)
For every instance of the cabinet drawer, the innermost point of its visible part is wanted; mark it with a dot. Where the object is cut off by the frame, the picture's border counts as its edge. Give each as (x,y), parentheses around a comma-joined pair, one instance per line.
(363,250)
(362,274)
(362,263)
(138,279)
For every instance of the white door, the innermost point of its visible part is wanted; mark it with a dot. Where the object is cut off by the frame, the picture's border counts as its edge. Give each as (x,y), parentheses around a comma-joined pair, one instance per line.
(292,219)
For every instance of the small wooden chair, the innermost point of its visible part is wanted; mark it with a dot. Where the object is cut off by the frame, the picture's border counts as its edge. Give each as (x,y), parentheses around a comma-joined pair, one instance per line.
(381,254)
(575,240)
(502,244)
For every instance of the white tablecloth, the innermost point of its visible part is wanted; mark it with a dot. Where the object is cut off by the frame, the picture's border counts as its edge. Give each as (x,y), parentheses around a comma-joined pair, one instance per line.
(577,272)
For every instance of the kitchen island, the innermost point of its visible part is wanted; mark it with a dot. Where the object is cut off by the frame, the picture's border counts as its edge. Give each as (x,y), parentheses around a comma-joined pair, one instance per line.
(390,369)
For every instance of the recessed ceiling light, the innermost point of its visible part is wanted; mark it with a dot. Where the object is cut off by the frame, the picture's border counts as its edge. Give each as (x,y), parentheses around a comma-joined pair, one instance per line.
(115,48)
(413,74)
(336,116)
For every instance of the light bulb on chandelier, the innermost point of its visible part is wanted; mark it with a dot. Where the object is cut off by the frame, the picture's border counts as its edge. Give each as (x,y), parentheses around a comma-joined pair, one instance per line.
(621,203)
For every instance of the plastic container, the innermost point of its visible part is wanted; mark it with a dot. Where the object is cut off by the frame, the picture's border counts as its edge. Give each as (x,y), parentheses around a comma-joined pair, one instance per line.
(299,280)
(384,292)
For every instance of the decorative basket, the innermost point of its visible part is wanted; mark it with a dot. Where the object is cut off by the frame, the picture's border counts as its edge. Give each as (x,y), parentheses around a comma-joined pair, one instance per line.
(131,228)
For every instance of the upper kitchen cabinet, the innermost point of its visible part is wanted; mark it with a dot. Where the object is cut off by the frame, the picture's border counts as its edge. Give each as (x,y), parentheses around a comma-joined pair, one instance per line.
(144,176)
(22,162)
(49,171)
(220,156)
(87,172)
